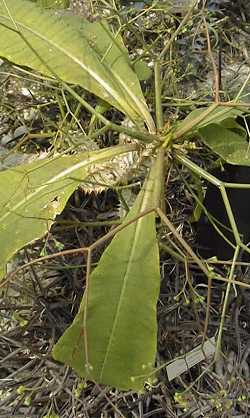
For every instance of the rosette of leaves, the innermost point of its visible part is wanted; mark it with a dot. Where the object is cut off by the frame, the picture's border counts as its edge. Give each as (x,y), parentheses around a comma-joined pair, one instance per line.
(114,332)
(72,50)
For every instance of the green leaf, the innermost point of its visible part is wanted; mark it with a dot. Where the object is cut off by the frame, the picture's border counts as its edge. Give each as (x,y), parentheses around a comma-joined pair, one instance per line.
(233,125)
(57,4)
(142,70)
(121,325)
(33,194)
(75,50)
(217,115)
(113,53)
(229,145)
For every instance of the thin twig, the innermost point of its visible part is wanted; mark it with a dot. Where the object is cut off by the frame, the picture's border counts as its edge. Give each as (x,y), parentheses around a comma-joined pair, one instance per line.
(215,71)
(178,30)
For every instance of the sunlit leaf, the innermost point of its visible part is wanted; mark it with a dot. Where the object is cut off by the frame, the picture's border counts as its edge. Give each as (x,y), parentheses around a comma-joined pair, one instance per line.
(121,326)
(217,115)
(33,194)
(57,4)
(54,45)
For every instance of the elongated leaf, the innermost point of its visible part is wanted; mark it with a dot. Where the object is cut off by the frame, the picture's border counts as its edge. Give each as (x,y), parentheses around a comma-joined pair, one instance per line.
(217,115)
(57,4)
(62,49)
(121,305)
(33,194)
(114,54)
(229,145)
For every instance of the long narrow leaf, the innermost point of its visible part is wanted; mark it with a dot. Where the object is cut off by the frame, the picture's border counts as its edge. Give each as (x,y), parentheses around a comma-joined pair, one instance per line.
(217,115)
(121,304)
(33,194)
(53,45)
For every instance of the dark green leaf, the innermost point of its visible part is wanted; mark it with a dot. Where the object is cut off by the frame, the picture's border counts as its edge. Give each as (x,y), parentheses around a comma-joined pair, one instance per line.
(229,145)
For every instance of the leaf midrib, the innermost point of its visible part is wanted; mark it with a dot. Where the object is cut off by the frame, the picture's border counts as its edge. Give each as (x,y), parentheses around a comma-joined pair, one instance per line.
(75,167)
(95,76)
(124,286)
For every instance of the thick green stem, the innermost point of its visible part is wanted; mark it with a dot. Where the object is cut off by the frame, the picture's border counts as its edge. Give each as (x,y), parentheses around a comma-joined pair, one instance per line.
(194,122)
(198,170)
(158,89)
(145,137)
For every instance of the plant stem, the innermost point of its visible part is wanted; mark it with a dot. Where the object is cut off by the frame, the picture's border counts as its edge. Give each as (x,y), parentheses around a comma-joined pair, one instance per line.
(145,137)
(158,89)
(189,125)
(184,244)
(178,30)
(223,315)
(198,170)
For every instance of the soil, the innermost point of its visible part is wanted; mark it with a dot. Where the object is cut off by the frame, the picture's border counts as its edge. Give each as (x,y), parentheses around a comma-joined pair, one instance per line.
(42,301)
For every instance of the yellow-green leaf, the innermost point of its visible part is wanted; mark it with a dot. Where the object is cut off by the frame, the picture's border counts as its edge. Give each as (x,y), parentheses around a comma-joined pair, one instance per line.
(33,194)
(88,56)
(216,115)
(121,326)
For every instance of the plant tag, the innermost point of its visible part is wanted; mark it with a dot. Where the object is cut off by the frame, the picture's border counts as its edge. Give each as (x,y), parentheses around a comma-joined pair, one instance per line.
(195,356)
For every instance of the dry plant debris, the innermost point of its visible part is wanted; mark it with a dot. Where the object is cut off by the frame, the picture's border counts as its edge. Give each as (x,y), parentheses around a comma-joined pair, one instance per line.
(36,308)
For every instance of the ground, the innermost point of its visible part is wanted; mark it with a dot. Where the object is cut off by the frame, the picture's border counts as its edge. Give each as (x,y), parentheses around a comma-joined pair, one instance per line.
(42,301)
